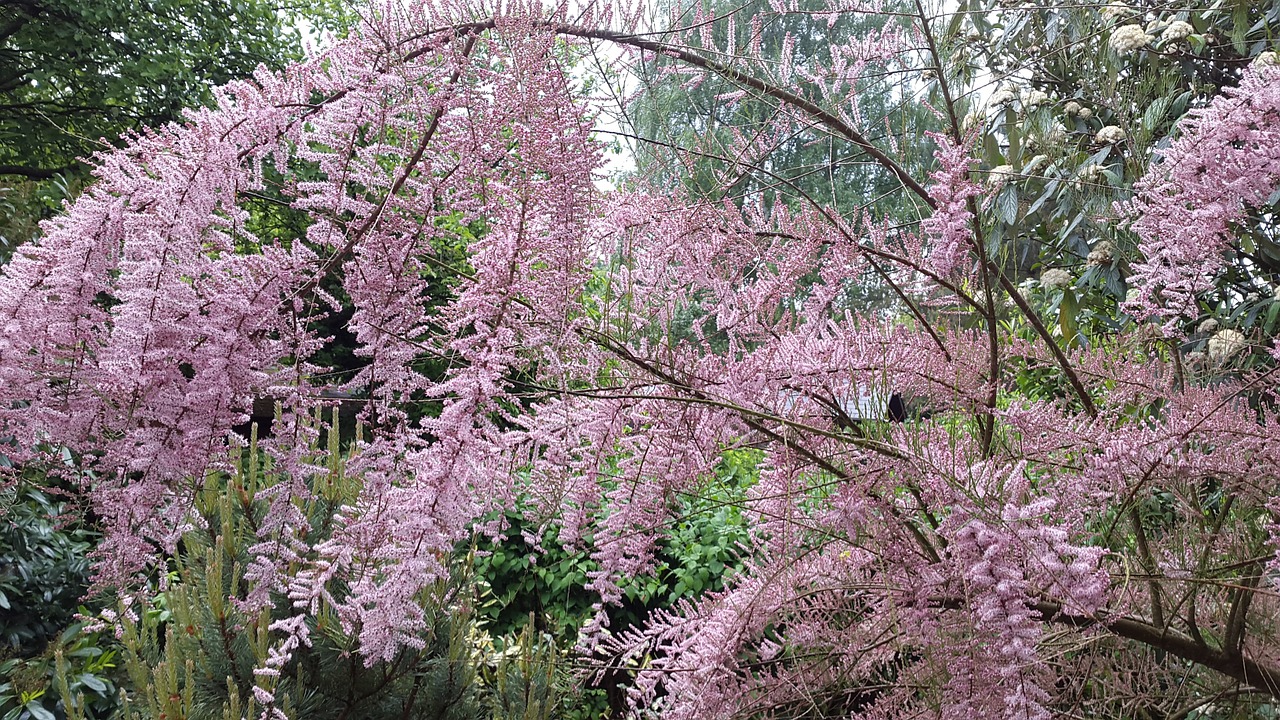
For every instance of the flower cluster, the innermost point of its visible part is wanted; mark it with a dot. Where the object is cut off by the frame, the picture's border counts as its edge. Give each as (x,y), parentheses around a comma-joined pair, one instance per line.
(1226,159)
(1055,279)
(1001,98)
(1110,135)
(1128,38)
(1177,30)
(948,227)
(1226,343)
(1000,175)
(1115,10)
(1102,254)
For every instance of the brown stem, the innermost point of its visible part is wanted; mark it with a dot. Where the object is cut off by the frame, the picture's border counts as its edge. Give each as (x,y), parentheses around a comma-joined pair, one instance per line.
(988,423)
(938,68)
(1044,334)
(1233,637)
(1194,591)
(1149,562)
(225,633)
(1247,671)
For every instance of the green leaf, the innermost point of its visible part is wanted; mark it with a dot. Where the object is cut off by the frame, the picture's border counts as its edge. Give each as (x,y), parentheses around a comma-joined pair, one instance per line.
(70,633)
(92,682)
(1067,310)
(1049,190)
(1006,205)
(1155,113)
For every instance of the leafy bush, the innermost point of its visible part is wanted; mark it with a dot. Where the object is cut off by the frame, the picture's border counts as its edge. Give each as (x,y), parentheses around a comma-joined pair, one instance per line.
(44,567)
(78,665)
(44,573)
(521,585)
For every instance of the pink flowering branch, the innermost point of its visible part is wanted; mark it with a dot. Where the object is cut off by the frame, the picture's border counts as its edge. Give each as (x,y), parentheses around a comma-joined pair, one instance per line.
(1225,161)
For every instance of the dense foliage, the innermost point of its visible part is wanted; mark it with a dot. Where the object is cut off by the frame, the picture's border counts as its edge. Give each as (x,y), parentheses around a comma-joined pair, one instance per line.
(44,573)
(78,76)
(1077,516)
(73,73)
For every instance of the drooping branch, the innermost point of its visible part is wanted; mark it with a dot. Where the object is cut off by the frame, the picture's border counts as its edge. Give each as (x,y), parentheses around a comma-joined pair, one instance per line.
(34,173)
(807,107)
(1234,665)
(821,117)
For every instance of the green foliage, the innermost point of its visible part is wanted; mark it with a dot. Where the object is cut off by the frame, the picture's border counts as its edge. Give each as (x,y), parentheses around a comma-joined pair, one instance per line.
(1062,81)
(76,75)
(44,566)
(44,573)
(522,587)
(680,115)
(23,204)
(74,71)
(73,677)
(521,583)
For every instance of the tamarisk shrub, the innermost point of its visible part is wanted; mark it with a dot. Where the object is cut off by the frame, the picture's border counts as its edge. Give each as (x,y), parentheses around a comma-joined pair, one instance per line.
(1083,521)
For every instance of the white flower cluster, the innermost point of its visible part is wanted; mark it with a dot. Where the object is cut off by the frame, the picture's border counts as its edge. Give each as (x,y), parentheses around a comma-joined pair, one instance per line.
(999,175)
(1055,279)
(1000,98)
(1034,164)
(1034,99)
(1075,109)
(1090,173)
(1226,343)
(1267,59)
(1177,30)
(1109,135)
(1207,326)
(1101,254)
(1128,38)
(1114,11)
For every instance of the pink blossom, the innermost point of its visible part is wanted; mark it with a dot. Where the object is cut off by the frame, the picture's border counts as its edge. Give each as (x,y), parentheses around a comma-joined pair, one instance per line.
(1226,159)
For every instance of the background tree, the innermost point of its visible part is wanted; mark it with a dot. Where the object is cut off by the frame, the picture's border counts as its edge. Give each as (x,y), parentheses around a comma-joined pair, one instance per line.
(76,76)
(77,73)
(708,133)
(1048,79)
